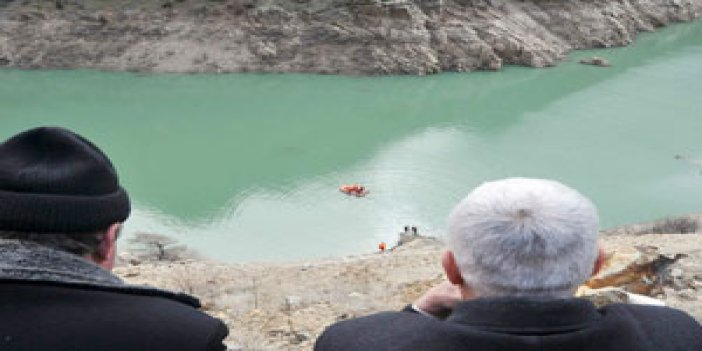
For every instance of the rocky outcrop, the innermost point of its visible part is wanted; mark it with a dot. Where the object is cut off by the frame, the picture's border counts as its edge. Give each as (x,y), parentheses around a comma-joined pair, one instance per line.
(596,61)
(320,36)
(636,274)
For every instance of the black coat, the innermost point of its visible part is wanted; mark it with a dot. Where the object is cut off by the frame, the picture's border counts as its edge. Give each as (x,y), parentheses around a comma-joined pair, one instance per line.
(521,325)
(54,316)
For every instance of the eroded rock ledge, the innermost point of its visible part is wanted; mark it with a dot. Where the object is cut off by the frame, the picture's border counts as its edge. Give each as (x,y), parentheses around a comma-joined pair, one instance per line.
(320,36)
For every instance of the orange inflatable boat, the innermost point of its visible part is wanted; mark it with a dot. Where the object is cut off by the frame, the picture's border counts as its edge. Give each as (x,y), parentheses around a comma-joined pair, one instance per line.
(353,189)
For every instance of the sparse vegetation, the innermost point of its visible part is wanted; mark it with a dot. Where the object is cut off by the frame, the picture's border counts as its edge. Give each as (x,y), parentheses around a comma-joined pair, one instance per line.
(680,225)
(157,247)
(674,225)
(285,306)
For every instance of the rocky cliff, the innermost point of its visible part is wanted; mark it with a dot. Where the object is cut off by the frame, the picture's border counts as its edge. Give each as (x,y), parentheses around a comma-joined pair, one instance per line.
(319,36)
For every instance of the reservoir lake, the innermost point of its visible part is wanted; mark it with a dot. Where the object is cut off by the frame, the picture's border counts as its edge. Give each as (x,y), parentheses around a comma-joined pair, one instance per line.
(246,167)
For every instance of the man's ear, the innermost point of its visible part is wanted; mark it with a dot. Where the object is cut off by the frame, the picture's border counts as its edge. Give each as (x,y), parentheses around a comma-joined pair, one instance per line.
(107,249)
(451,268)
(599,262)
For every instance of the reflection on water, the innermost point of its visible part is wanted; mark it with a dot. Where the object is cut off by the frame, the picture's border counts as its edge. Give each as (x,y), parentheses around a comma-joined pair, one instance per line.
(247,167)
(328,222)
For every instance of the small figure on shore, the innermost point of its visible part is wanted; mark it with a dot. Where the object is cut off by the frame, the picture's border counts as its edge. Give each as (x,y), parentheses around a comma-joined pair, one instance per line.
(408,235)
(596,61)
(354,189)
(410,231)
(382,246)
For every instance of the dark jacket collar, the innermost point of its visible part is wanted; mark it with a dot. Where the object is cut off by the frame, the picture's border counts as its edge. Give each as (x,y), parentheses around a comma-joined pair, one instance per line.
(525,316)
(29,263)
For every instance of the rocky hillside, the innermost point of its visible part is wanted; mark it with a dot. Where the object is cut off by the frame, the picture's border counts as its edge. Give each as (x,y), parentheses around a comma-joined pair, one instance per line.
(286,306)
(320,36)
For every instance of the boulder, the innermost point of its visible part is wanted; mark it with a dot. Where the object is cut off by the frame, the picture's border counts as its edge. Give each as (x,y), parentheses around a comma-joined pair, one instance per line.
(596,61)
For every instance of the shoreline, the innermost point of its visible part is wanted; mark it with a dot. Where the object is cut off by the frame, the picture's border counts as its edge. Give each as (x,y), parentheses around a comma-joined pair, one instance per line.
(349,37)
(134,249)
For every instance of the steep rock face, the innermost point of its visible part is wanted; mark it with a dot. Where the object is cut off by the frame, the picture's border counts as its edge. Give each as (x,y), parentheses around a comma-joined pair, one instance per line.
(321,36)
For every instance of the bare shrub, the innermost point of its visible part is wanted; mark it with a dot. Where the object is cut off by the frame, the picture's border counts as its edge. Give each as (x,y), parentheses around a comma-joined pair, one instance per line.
(204,284)
(673,225)
(157,247)
(682,225)
(187,282)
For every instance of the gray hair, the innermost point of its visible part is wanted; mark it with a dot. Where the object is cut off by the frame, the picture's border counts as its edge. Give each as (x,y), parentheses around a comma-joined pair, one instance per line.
(80,244)
(524,237)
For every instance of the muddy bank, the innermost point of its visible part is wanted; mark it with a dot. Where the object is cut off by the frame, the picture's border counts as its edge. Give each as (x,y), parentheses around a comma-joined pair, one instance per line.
(319,36)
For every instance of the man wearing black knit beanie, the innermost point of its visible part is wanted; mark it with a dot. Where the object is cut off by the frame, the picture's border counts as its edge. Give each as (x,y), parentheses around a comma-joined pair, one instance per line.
(61,210)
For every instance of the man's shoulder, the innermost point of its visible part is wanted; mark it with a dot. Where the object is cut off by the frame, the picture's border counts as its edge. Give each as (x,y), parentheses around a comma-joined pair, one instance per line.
(653,317)
(107,296)
(159,307)
(383,319)
(171,317)
(662,327)
(158,302)
(661,313)
(145,317)
(659,327)
(380,331)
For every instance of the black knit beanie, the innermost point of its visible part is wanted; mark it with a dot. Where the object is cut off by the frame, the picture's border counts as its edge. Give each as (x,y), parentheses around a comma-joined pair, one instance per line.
(55,181)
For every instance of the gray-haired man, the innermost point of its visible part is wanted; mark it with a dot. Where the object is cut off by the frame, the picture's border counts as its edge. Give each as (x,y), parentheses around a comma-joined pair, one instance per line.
(518,249)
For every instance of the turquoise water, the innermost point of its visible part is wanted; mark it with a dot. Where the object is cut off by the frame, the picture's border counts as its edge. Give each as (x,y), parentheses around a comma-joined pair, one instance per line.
(246,167)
